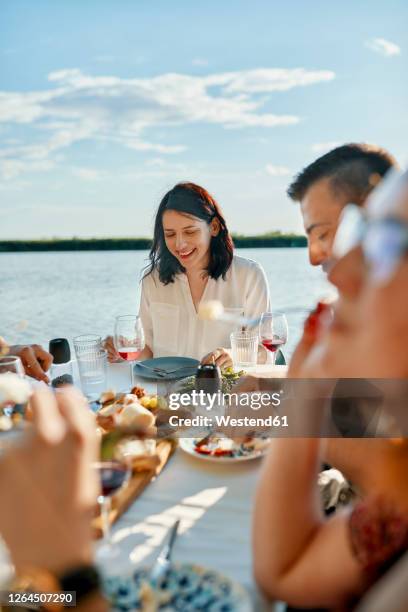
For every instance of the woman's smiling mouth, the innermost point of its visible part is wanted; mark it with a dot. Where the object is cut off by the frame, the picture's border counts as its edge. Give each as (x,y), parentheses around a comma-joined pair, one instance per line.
(186,254)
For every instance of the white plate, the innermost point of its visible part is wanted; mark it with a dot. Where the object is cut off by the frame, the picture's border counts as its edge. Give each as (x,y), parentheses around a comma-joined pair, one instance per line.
(187,445)
(187,588)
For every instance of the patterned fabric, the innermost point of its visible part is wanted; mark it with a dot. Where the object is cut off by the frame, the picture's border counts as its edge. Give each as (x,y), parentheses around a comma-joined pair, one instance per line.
(379,535)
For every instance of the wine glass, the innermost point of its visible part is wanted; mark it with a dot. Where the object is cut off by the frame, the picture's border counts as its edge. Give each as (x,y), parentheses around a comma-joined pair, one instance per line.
(273,331)
(113,476)
(129,339)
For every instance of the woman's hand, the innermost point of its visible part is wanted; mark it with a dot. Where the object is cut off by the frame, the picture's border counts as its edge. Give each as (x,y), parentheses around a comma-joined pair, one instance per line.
(36,360)
(221,357)
(113,355)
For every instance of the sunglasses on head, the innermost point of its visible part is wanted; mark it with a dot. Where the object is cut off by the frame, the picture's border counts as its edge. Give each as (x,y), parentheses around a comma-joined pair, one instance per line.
(384,241)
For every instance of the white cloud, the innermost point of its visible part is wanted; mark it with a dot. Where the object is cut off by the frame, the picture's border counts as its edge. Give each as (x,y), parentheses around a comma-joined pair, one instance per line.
(199,61)
(277,170)
(78,107)
(157,148)
(11,168)
(383,47)
(264,80)
(87,174)
(325,147)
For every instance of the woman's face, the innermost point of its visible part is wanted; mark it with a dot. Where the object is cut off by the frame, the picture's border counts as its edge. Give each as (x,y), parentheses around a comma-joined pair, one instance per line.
(368,336)
(188,238)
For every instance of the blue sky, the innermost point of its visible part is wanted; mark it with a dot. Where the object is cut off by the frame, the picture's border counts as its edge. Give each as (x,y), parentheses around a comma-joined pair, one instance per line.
(105,105)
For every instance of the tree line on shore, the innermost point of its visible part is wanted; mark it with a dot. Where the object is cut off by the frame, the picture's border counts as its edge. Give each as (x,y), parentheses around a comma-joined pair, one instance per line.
(269,240)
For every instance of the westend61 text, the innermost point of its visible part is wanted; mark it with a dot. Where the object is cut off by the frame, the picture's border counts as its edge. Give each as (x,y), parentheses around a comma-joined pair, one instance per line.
(228,421)
(255,401)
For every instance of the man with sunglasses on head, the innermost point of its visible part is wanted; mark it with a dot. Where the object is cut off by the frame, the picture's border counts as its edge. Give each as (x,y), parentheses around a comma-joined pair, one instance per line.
(347,174)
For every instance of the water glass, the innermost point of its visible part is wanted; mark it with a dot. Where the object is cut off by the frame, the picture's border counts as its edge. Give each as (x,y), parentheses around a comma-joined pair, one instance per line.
(11,363)
(87,343)
(92,371)
(244,346)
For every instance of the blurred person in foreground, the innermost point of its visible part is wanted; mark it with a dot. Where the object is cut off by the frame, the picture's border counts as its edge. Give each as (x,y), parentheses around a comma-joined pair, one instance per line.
(299,556)
(347,173)
(50,495)
(36,360)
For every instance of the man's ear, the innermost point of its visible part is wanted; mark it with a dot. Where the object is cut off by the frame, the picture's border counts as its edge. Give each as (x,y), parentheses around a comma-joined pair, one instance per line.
(215,227)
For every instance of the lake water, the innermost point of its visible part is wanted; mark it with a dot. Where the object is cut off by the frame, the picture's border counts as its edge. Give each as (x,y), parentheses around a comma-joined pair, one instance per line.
(49,295)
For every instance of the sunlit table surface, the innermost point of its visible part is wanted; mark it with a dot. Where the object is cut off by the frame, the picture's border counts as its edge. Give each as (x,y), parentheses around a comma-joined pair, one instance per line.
(214,503)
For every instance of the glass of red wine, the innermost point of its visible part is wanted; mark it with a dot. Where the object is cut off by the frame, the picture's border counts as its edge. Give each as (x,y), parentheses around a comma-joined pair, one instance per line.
(129,339)
(113,476)
(273,331)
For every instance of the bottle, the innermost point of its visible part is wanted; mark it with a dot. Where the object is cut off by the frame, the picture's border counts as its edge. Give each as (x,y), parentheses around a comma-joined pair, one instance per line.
(61,369)
(208,378)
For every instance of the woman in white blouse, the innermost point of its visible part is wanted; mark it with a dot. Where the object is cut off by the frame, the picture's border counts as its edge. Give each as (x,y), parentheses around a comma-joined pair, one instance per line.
(192,260)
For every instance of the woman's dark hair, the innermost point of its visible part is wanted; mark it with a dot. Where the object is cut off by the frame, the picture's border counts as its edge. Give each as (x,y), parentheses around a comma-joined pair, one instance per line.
(193,200)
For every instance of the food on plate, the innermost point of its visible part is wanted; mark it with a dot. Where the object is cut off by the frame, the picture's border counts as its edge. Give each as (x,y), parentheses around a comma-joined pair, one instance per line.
(135,415)
(218,446)
(149,402)
(229,377)
(107,396)
(142,453)
(185,587)
(138,391)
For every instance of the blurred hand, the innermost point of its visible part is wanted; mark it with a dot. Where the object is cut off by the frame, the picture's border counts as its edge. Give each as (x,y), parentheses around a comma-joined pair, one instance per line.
(246,384)
(35,359)
(305,361)
(221,357)
(50,487)
(113,355)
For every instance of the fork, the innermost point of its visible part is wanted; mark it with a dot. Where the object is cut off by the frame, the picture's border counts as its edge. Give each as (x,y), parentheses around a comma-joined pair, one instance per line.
(162,564)
(163,372)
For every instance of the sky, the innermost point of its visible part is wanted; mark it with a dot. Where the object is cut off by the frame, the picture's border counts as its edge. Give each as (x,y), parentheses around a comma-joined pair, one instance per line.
(107,104)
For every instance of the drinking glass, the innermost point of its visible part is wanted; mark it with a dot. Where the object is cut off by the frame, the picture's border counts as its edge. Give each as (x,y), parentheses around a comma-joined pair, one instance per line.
(87,343)
(113,476)
(273,331)
(244,345)
(92,368)
(11,363)
(129,339)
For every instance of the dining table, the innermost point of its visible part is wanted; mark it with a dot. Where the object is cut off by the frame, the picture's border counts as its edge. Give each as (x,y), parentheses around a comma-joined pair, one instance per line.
(214,503)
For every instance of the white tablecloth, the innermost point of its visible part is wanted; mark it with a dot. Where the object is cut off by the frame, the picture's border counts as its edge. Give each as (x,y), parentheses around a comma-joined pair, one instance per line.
(214,503)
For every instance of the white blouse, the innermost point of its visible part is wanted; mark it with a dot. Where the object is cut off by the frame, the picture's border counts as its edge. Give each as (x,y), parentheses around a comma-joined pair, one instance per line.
(171,323)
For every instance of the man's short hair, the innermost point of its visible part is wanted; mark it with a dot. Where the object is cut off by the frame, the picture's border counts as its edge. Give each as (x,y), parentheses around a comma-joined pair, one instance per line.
(353,170)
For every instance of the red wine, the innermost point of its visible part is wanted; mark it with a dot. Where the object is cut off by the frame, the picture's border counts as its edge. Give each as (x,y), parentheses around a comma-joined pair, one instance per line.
(130,353)
(112,476)
(272,345)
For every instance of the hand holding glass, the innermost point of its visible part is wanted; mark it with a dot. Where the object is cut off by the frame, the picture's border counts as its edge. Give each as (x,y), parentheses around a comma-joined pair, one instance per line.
(129,339)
